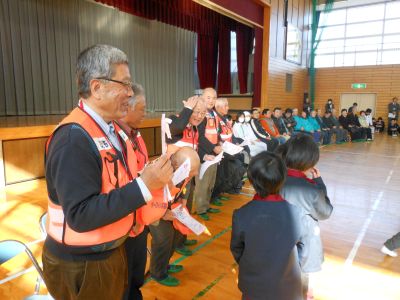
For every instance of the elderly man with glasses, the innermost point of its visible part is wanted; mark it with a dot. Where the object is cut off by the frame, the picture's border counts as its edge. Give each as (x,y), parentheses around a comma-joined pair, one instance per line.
(93,188)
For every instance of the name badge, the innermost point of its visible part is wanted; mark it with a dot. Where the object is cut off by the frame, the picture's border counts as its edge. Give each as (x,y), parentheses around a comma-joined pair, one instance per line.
(102,143)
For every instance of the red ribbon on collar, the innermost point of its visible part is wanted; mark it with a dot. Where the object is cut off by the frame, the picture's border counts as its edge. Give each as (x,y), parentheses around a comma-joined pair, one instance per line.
(299,174)
(269,198)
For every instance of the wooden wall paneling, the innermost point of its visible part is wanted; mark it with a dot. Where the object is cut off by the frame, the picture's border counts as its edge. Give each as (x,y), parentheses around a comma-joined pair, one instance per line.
(157,137)
(23,159)
(382,80)
(148,137)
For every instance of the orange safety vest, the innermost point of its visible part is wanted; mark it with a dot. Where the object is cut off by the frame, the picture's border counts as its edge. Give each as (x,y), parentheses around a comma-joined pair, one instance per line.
(190,138)
(211,132)
(141,152)
(226,130)
(114,175)
(155,209)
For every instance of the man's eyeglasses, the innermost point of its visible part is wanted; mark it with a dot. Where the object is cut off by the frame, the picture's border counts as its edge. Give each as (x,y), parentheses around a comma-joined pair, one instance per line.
(199,113)
(126,84)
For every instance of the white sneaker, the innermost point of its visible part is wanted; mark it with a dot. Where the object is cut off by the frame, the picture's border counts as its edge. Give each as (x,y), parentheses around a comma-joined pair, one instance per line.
(386,251)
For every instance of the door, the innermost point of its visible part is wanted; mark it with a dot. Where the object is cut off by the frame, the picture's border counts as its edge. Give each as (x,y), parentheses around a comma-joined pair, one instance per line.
(364,101)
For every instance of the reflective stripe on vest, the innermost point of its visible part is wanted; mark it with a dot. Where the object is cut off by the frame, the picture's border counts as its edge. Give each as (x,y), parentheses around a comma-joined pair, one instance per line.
(226,130)
(114,174)
(190,138)
(141,152)
(211,132)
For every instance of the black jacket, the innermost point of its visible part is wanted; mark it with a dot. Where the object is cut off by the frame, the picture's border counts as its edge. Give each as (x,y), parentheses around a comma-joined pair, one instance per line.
(264,235)
(178,125)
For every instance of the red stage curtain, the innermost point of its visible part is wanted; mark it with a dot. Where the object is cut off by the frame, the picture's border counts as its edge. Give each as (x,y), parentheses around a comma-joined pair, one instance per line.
(258,67)
(224,60)
(244,45)
(207,60)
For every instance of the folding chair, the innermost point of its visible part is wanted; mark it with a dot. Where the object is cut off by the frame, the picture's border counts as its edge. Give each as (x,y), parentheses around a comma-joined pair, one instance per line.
(10,249)
(42,224)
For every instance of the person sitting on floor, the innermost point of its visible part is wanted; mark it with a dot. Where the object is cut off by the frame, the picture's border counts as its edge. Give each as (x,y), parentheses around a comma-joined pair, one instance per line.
(380,125)
(393,128)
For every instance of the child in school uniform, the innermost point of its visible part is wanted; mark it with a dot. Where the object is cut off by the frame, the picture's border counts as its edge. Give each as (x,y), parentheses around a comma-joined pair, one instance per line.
(305,189)
(265,232)
(379,125)
(393,128)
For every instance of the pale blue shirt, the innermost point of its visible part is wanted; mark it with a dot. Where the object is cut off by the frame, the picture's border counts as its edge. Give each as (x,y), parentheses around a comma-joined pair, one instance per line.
(112,136)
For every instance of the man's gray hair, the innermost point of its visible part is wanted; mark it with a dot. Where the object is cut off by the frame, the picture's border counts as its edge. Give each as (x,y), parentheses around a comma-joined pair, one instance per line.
(221,102)
(95,62)
(138,90)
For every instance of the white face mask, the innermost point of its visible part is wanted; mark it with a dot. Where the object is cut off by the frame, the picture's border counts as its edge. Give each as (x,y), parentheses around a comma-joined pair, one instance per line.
(247,119)
(241,119)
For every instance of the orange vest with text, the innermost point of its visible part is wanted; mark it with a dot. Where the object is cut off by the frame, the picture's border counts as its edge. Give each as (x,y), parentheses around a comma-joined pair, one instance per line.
(211,131)
(226,130)
(115,174)
(190,138)
(156,208)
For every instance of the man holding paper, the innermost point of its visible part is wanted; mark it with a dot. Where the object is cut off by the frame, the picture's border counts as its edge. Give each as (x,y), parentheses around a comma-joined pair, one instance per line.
(231,169)
(209,147)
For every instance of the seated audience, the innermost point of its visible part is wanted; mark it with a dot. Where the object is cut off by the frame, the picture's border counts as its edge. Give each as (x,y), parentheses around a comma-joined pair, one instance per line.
(261,133)
(333,124)
(242,130)
(362,119)
(356,133)
(265,232)
(280,123)
(290,122)
(231,169)
(326,131)
(303,125)
(393,128)
(380,125)
(269,126)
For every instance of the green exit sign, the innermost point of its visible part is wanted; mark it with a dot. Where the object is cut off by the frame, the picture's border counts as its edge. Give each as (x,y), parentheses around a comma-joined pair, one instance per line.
(358,85)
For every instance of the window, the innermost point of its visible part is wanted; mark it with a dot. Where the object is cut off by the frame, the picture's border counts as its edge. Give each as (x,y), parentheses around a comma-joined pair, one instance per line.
(357,36)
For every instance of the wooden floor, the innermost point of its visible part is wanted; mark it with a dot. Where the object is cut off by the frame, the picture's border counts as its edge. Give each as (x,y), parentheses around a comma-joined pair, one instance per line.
(363,182)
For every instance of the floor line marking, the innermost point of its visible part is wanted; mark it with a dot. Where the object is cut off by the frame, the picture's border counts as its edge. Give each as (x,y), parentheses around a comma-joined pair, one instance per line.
(178,260)
(368,220)
(208,287)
